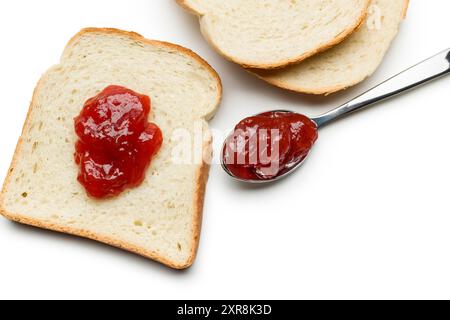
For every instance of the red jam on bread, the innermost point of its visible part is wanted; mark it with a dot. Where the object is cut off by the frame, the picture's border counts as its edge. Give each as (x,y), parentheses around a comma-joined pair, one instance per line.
(116,142)
(266,146)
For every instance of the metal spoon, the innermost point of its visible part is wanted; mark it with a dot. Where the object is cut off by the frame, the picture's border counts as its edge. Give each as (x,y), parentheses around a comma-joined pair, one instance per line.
(421,73)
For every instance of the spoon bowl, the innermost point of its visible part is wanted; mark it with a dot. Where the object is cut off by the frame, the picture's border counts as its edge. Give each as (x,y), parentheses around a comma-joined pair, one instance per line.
(285,173)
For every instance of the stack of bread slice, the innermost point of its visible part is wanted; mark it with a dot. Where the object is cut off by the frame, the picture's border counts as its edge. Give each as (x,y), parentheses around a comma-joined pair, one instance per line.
(315,47)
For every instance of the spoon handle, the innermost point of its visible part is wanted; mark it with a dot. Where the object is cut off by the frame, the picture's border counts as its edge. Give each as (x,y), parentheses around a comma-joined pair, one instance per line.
(423,72)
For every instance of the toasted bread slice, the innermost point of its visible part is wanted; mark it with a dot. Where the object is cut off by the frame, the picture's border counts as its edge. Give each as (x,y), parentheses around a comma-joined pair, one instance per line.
(350,62)
(161,219)
(270,34)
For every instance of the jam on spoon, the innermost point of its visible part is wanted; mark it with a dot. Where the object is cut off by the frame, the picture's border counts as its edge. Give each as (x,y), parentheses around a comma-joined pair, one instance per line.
(268,145)
(116,142)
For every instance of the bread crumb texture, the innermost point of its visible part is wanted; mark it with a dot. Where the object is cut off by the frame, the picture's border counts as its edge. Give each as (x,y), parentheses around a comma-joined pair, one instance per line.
(275,33)
(350,62)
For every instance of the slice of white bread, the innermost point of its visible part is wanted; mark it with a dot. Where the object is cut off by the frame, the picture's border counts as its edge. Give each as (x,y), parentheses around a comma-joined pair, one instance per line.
(350,62)
(275,33)
(161,219)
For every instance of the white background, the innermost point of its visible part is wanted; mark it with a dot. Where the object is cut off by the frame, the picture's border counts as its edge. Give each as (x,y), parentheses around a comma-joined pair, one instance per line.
(368,216)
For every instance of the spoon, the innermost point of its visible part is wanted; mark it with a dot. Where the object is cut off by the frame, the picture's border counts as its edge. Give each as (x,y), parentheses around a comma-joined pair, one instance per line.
(419,74)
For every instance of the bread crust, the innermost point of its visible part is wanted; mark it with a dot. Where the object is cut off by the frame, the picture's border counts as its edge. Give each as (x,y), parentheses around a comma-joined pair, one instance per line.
(283,63)
(201,180)
(185,5)
(322,91)
(405,9)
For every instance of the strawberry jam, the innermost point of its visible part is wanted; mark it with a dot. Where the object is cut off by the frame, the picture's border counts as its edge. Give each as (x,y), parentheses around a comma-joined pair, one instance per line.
(116,142)
(268,145)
